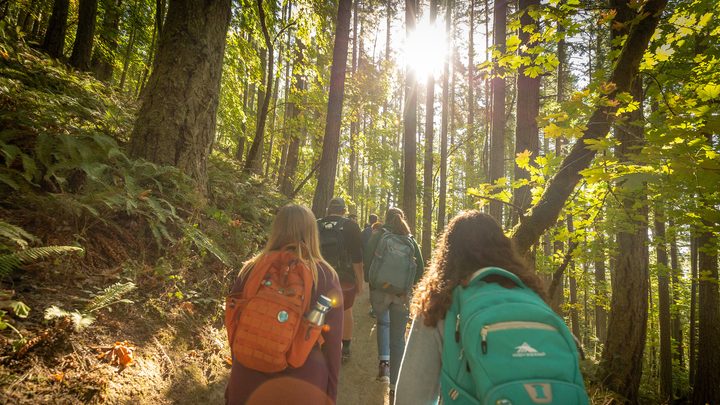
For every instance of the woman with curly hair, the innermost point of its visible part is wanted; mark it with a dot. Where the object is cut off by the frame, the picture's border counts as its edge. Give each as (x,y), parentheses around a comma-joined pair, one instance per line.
(472,241)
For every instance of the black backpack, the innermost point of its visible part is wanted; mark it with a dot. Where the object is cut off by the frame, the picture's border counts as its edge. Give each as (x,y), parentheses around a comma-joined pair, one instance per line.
(332,246)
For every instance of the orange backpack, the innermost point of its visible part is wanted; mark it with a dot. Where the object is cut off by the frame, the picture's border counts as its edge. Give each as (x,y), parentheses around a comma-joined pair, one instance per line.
(265,322)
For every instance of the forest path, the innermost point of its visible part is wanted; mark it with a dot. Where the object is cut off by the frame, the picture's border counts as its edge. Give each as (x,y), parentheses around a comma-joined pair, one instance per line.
(358,377)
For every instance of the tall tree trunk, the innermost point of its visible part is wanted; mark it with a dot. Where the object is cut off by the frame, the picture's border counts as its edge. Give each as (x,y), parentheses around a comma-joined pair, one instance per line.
(82,49)
(470,163)
(173,128)
(331,142)
(128,56)
(354,124)
(254,159)
(104,52)
(54,42)
(621,364)
(528,108)
(428,161)
(677,331)
(692,346)
(442,197)
(497,137)
(294,109)
(706,389)
(544,214)
(574,317)
(601,288)
(409,193)
(666,374)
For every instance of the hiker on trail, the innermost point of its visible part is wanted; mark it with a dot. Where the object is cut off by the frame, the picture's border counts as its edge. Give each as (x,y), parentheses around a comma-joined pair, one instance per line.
(366,234)
(341,246)
(481,319)
(290,296)
(367,231)
(394,264)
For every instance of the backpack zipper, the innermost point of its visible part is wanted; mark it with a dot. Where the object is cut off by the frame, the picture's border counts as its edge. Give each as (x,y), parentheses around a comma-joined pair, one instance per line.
(494,327)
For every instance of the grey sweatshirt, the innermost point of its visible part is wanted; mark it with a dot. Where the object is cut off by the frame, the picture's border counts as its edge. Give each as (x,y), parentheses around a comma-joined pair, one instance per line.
(419,379)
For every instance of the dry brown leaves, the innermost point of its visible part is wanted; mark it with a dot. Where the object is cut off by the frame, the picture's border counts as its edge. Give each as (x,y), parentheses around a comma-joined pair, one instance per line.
(120,354)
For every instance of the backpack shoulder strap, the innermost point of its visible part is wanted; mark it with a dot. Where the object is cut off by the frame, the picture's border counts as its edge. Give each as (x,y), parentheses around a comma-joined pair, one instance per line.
(481,274)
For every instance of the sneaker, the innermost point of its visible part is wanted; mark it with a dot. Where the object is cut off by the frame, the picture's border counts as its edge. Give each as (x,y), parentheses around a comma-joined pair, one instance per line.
(391,397)
(345,357)
(384,371)
(371,313)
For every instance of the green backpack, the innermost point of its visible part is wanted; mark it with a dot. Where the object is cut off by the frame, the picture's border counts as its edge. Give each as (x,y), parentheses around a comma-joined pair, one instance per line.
(507,347)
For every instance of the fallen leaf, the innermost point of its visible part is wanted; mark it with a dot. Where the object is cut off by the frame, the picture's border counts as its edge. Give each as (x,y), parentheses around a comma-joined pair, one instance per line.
(58,377)
(188,306)
(121,354)
(228,360)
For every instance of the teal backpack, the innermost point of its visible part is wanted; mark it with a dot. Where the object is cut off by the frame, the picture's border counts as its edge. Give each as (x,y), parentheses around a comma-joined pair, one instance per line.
(393,267)
(507,347)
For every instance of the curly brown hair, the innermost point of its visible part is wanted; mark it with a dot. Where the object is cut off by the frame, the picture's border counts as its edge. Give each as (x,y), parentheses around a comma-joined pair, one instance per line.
(471,241)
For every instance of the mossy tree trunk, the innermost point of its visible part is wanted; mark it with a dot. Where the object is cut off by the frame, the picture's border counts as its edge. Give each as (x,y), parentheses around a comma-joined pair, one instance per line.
(176,121)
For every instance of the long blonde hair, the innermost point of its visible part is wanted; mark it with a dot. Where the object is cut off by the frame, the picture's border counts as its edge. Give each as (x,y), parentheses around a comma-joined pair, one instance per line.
(294,225)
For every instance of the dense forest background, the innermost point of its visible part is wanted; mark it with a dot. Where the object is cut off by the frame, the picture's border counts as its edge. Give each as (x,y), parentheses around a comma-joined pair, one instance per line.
(145,145)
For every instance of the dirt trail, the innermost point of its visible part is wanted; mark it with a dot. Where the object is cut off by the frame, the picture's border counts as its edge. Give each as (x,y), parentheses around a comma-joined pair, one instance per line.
(358,384)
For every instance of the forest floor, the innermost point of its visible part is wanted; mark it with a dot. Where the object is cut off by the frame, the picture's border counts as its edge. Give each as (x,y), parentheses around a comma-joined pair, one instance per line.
(179,358)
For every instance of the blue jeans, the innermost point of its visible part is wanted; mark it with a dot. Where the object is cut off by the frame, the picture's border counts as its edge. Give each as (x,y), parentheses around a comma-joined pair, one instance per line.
(392,317)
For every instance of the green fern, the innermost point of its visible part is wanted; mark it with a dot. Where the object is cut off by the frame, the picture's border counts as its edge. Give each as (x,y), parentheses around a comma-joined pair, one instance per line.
(202,241)
(81,319)
(15,234)
(110,296)
(12,261)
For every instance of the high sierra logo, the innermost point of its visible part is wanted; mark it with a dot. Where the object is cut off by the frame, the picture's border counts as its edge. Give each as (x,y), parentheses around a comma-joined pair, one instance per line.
(525,350)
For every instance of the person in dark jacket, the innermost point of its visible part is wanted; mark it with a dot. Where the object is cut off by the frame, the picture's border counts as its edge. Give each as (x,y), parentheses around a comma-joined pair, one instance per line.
(349,265)
(367,231)
(316,382)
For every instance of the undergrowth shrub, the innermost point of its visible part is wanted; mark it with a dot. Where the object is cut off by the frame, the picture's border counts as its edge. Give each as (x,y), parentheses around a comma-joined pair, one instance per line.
(66,175)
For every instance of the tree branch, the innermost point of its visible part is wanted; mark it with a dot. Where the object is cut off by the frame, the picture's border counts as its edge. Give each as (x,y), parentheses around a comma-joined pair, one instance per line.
(544,214)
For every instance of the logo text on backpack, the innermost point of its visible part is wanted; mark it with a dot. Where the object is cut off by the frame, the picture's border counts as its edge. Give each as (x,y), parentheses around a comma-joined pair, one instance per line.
(525,350)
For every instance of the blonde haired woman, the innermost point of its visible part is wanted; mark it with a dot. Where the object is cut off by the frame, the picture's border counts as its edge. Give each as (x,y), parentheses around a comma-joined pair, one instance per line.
(316,381)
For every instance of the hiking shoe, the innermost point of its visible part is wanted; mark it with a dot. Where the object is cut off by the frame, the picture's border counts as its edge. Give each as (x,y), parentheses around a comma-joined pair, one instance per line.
(384,371)
(345,357)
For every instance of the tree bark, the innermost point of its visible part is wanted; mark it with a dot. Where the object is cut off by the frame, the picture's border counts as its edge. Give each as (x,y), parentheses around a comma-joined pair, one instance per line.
(104,52)
(54,42)
(544,214)
(497,136)
(354,124)
(82,49)
(128,55)
(666,374)
(677,287)
(621,364)
(601,289)
(176,121)
(409,200)
(428,161)
(469,169)
(528,108)
(706,388)
(294,109)
(442,198)
(331,142)
(254,159)
(692,346)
